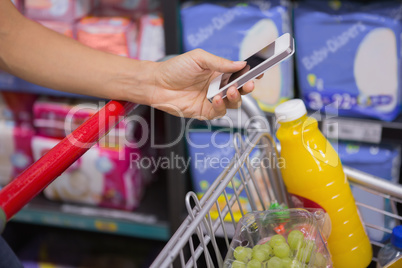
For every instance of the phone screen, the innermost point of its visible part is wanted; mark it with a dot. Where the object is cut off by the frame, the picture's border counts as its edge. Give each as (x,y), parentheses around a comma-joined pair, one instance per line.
(252,62)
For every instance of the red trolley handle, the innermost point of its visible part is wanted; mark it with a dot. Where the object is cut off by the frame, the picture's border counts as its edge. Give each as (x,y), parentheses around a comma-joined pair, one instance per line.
(40,174)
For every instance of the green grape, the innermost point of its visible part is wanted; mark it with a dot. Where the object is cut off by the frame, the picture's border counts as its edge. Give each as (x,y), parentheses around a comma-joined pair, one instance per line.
(281,250)
(254,264)
(286,262)
(242,254)
(238,264)
(267,248)
(260,255)
(295,239)
(309,246)
(319,260)
(275,262)
(256,247)
(276,239)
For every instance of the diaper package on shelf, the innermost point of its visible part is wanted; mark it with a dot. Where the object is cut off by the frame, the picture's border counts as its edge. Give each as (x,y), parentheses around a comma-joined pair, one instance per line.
(17,107)
(236,31)
(130,8)
(209,154)
(15,149)
(102,176)
(115,35)
(62,10)
(66,28)
(379,160)
(151,41)
(55,117)
(349,58)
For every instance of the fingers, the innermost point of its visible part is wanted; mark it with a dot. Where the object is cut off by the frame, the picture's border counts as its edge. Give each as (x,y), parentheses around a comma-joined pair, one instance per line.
(260,76)
(233,98)
(219,107)
(208,61)
(247,88)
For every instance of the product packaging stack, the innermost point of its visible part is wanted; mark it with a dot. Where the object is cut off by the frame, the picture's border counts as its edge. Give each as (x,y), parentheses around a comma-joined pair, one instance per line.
(210,153)
(128,28)
(128,8)
(104,176)
(108,175)
(16,134)
(383,161)
(116,35)
(348,57)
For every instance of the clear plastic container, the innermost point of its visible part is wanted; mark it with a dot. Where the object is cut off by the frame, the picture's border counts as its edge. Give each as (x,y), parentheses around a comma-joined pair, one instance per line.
(301,231)
(391,254)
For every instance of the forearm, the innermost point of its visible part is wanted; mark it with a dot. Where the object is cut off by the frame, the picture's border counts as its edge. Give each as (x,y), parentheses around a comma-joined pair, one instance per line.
(49,59)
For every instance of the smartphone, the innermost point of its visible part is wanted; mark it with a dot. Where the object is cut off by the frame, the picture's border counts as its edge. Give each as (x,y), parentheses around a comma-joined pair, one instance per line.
(272,54)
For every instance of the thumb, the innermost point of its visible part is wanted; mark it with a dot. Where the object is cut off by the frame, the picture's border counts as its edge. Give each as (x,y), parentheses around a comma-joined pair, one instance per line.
(208,61)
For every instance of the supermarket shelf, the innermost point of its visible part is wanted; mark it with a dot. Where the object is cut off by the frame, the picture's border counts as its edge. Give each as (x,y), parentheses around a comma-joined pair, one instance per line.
(357,129)
(363,130)
(342,128)
(45,91)
(14,84)
(149,221)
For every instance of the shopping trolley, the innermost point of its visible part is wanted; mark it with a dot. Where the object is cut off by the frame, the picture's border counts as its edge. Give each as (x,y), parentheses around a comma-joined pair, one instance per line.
(203,239)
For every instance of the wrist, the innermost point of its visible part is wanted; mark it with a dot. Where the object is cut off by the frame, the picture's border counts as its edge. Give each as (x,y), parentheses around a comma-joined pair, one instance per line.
(137,82)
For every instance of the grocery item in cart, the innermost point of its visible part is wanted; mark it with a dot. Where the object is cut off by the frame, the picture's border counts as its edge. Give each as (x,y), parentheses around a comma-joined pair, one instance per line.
(314,177)
(249,26)
(348,55)
(102,177)
(115,35)
(256,241)
(391,254)
(382,161)
(62,10)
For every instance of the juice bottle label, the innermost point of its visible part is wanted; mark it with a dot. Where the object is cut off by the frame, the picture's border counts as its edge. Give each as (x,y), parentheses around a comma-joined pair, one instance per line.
(301,202)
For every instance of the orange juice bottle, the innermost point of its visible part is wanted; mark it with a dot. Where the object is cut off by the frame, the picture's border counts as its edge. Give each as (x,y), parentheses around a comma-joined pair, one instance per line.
(314,177)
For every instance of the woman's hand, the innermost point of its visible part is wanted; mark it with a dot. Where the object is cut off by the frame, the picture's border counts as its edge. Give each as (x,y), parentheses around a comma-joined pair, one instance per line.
(181,85)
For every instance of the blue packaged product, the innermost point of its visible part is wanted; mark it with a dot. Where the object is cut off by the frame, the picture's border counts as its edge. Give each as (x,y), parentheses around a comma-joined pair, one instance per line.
(236,30)
(382,161)
(210,153)
(8,81)
(348,57)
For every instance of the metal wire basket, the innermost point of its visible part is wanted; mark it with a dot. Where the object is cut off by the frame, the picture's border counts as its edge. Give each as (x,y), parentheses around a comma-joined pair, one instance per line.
(203,238)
